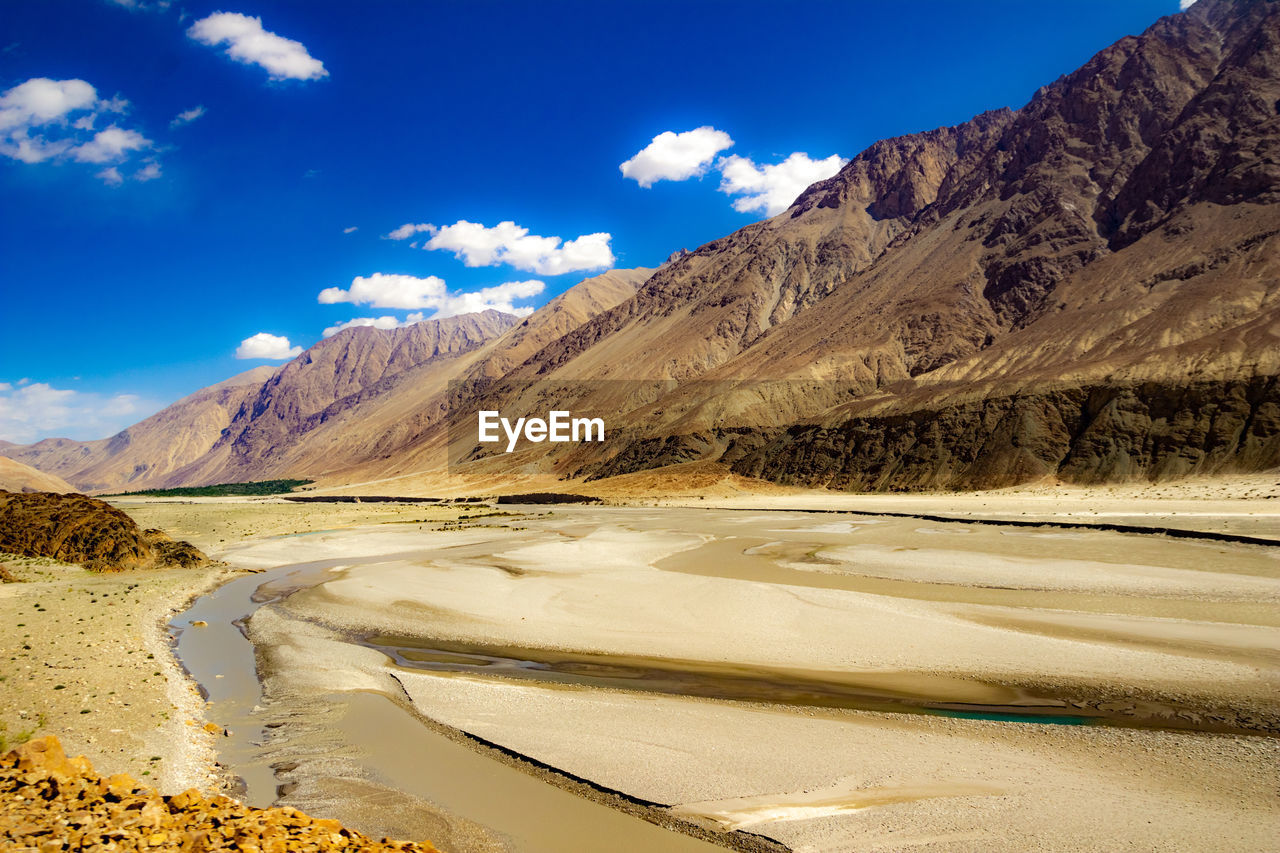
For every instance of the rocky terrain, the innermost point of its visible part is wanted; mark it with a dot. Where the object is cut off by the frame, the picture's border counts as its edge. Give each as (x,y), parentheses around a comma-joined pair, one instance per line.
(75,528)
(1085,287)
(49,802)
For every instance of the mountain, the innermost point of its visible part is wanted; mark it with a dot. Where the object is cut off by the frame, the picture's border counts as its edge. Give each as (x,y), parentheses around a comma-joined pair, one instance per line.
(1083,288)
(150,449)
(349,400)
(16,477)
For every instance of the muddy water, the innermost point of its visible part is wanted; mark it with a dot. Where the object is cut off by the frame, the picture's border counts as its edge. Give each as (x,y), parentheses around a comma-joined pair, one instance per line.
(526,814)
(221,661)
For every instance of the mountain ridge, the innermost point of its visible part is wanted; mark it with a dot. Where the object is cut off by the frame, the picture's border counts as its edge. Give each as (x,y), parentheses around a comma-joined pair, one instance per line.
(1103,262)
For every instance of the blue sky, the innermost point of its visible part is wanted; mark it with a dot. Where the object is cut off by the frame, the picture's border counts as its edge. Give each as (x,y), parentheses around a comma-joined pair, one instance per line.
(181,180)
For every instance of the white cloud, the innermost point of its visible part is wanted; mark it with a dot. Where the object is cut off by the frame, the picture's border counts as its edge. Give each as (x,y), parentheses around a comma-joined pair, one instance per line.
(772,188)
(111,176)
(249,43)
(353,229)
(114,105)
(149,172)
(404,232)
(264,345)
(41,101)
(1184,5)
(37,410)
(507,243)
(387,322)
(108,145)
(676,156)
(187,116)
(37,124)
(382,290)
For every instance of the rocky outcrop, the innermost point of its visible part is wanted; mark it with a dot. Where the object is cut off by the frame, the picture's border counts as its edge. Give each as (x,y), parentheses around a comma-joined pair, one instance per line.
(79,529)
(49,802)
(1081,435)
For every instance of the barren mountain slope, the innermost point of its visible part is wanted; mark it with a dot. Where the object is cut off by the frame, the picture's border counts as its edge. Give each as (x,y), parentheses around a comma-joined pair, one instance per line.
(705,308)
(557,318)
(424,410)
(149,450)
(356,395)
(1124,221)
(1117,233)
(16,477)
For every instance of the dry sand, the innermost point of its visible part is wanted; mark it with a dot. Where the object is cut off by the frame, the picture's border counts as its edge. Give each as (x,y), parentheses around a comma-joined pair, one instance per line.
(87,656)
(1105,617)
(1090,614)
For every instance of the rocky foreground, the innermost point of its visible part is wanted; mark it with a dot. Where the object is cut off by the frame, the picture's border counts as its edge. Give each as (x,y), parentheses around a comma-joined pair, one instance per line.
(80,529)
(50,802)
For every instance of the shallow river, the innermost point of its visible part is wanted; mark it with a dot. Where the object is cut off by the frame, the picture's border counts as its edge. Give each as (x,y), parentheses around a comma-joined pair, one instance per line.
(1079,590)
(398,750)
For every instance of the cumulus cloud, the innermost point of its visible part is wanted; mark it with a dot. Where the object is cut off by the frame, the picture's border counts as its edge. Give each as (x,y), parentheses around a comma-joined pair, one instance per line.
(247,42)
(37,107)
(265,345)
(404,232)
(43,119)
(187,116)
(676,156)
(32,411)
(382,290)
(772,188)
(1184,5)
(111,176)
(507,243)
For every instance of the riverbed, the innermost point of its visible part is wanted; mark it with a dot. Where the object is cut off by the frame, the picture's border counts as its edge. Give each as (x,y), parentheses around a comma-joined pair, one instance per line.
(628,678)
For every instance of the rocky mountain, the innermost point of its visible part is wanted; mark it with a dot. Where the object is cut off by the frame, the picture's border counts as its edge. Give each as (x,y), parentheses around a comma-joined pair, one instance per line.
(350,400)
(1085,287)
(356,395)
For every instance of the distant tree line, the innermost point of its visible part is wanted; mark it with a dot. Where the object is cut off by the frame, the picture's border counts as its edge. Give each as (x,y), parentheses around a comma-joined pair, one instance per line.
(260,487)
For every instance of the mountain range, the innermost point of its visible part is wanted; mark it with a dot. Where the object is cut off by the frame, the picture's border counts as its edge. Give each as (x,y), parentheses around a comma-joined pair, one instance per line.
(1084,288)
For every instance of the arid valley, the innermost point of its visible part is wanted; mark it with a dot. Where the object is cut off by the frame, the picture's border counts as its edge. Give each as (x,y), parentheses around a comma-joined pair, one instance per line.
(727,668)
(568,427)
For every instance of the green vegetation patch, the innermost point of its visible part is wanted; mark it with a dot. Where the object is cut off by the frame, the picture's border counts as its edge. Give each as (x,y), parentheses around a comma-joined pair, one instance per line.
(260,487)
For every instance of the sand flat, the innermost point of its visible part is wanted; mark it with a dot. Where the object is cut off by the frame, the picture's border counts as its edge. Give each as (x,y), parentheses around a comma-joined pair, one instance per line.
(602,591)
(718,592)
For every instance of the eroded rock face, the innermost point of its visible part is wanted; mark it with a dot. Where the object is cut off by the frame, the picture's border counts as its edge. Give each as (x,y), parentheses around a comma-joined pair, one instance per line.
(79,529)
(49,802)
(1149,431)
(1146,431)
